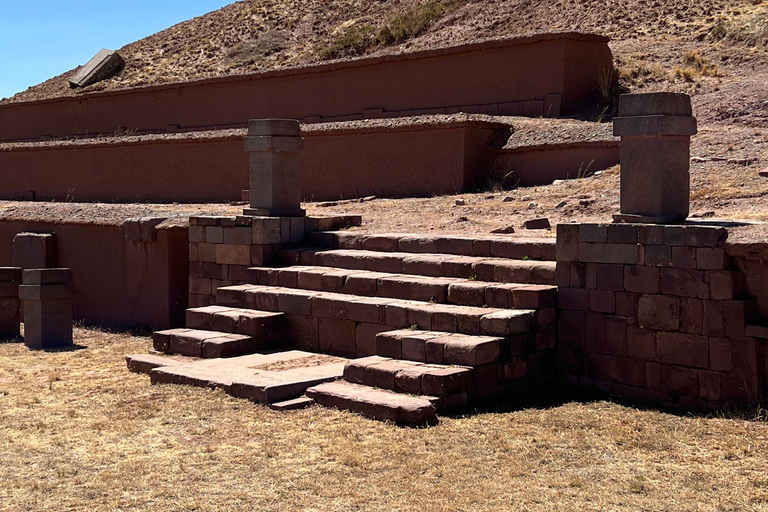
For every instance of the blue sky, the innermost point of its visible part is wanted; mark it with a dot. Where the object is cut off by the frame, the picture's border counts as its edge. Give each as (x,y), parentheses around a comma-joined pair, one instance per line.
(40,39)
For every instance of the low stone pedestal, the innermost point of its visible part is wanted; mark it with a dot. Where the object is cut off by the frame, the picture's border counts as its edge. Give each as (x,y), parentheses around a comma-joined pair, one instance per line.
(655,131)
(10,305)
(47,298)
(274,146)
(34,250)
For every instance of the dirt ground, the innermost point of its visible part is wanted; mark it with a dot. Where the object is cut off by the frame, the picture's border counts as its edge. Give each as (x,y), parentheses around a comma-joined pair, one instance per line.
(79,432)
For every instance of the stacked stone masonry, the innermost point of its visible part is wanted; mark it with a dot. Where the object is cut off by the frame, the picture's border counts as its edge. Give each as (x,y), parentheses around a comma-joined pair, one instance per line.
(656,313)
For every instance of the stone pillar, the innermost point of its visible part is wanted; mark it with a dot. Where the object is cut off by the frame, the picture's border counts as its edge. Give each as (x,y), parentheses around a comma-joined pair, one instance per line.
(655,131)
(274,146)
(47,296)
(10,305)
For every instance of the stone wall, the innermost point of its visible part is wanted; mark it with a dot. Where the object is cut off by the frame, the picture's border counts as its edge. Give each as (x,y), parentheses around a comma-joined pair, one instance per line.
(656,313)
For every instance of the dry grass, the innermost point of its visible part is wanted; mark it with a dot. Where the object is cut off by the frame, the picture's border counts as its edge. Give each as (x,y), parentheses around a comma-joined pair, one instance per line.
(78,432)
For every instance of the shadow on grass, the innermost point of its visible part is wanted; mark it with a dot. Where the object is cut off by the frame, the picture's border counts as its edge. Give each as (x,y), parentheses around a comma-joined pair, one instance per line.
(60,348)
(556,396)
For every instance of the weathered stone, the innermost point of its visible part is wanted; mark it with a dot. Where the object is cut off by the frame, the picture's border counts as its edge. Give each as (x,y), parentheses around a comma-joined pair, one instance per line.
(103,65)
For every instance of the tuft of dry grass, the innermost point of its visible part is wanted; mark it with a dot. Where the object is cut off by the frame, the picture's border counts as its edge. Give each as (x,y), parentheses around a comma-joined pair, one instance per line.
(79,432)
(694,65)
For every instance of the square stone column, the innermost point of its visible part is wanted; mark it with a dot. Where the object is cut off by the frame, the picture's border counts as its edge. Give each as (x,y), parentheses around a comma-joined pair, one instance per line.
(274,146)
(47,295)
(655,131)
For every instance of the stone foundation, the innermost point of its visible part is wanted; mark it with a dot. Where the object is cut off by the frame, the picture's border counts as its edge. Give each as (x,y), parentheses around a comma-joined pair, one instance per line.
(656,313)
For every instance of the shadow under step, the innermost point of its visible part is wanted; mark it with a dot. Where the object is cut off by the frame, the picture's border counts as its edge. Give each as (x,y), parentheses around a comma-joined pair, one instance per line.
(500,270)
(442,290)
(376,403)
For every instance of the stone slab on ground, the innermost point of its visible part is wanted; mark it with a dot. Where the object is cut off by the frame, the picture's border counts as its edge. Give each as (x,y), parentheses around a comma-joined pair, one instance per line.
(264,378)
(291,405)
(145,363)
(376,403)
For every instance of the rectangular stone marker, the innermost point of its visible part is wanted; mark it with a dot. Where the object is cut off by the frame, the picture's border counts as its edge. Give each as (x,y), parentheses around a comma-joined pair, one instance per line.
(103,65)
(655,131)
(47,297)
(34,250)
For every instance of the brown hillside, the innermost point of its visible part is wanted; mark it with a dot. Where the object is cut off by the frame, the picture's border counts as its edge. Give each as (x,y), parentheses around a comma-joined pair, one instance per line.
(691,45)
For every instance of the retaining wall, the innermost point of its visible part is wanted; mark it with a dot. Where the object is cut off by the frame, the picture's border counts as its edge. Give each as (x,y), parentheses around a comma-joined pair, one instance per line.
(486,77)
(415,159)
(122,281)
(657,313)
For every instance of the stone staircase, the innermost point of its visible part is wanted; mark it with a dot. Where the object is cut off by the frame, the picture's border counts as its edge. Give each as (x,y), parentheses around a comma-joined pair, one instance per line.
(424,324)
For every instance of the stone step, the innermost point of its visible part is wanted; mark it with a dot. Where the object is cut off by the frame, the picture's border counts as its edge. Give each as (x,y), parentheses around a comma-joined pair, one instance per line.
(376,403)
(202,343)
(500,270)
(499,246)
(266,328)
(262,378)
(346,325)
(434,347)
(442,290)
(409,376)
(145,363)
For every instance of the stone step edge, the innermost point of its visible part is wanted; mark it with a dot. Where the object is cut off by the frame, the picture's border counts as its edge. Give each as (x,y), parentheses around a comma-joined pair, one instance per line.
(200,343)
(488,269)
(493,322)
(537,248)
(145,363)
(457,291)
(376,403)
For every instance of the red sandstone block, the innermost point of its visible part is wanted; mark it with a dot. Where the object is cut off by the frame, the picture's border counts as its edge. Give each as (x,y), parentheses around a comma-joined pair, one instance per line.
(197,233)
(577,275)
(704,236)
(381,374)
(548,252)
(683,349)
(594,333)
(533,296)
(616,336)
(683,283)
(349,240)
(714,323)
(740,389)
(214,235)
(711,258)
(684,257)
(455,245)
(514,250)
(653,376)
(303,331)
(414,346)
(289,277)
(333,280)
(464,267)
(386,243)
(481,248)
(310,279)
(736,314)
(498,295)
(602,301)
(218,283)
(341,259)
(467,294)
(641,343)
(545,339)
(745,353)
(631,372)
(674,235)
(389,344)
(593,233)
(590,276)
(602,367)
(485,376)
(237,235)
(429,290)
(262,254)
(656,255)
(709,385)
(361,283)
(684,381)
(691,315)
(420,316)
(396,315)
(610,277)
(725,285)
(198,301)
(205,252)
(294,302)
(720,354)
(329,306)
(200,286)
(622,233)
(571,328)
(567,248)
(261,299)
(367,309)
(651,235)
(515,369)
(233,254)
(544,317)
(310,257)
(417,244)
(337,337)
(468,320)
(444,320)
(573,299)
(641,279)
(626,305)
(659,312)
(471,351)
(382,262)
(608,253)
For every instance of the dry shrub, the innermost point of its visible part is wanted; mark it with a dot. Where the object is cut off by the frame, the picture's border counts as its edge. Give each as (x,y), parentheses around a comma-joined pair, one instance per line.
(748,26)
(694,65)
